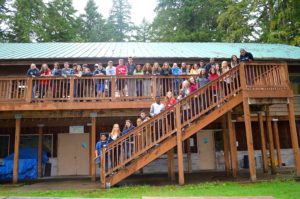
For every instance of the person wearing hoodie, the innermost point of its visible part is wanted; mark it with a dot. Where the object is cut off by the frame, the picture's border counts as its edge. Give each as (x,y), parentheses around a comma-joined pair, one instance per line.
(176,82)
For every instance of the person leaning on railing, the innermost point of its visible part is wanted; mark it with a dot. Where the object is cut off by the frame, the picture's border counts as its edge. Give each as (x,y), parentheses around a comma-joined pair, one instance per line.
(121,70)
(115,152)
(131,82)
(139,81)
(147,84)
(100,83)
(33,71)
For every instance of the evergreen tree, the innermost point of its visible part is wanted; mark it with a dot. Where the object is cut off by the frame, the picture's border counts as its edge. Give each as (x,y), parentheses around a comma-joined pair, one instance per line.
(61,23)
(3,20)
(26,22)
(143,32)
(95,29)
(120,21)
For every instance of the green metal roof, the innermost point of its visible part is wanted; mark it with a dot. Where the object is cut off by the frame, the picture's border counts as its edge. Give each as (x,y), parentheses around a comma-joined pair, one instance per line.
(27,51)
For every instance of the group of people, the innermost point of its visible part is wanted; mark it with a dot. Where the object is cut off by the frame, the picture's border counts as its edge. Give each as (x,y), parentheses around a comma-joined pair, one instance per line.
(136,87)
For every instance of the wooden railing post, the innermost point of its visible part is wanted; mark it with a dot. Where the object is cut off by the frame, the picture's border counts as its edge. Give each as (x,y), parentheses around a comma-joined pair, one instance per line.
(29,90)
(103,168)
(232,143)
(243,76)
(154,79)
(271,140)
(93,116)
(263,143)
(179,146)
(71,89)
(113,88)
(277,141)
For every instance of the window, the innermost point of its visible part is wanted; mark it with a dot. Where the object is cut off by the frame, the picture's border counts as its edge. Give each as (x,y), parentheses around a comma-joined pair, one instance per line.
(32,141)
(295,81)
(4,143)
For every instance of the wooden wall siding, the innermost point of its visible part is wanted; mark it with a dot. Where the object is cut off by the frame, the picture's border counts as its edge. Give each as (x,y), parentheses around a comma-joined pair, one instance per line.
(281,109)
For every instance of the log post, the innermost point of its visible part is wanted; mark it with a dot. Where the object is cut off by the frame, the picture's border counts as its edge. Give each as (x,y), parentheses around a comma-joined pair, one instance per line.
(171,167)
(189,155)
(250,147)
(226,145)
(232,144)
(40,150)
(179,147)
(277,141)
(93,115)
(103,168)
(294,136)
(263,142)
(271,140)
(29,90)
(18,118)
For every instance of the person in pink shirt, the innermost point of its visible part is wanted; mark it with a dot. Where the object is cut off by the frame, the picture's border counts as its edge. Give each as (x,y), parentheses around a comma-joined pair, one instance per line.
(121,70)
(193,85)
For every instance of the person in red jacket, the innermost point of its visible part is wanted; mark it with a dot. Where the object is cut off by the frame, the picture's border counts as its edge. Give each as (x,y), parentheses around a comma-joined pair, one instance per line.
(193,85)
(170,100)
(121,70)
(44,84)
(215,88)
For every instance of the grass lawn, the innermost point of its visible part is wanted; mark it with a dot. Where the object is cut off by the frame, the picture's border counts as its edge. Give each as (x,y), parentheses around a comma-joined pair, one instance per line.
(280,189)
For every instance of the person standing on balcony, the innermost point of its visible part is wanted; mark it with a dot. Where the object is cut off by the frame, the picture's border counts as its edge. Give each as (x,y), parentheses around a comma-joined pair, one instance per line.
(128,145)
(121,71)
(131,82)
(156,70)
(245,56)
(215,88)
(66,72)
(155,109)
(195,70)
(116,150)
(201,65)
(33,71)
(78,83)
(210,64)
(226,79)
(110,71)
(44,84)
(100,83)
(166,82)
(147,85)
(234,61)
(176,81)
(194,100)
(184,69)
(57,84)
(139,81)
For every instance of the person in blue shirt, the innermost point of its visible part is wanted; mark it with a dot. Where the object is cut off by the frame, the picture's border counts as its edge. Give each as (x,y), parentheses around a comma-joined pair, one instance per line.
(33,71)
(176,71)
(245,56)
(99,145)
(100,83)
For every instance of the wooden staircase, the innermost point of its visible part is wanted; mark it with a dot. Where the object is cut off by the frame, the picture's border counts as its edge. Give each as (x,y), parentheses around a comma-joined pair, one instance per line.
(157,136)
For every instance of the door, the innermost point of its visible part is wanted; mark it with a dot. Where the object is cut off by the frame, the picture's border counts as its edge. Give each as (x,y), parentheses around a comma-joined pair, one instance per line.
(206,150)
(73,154)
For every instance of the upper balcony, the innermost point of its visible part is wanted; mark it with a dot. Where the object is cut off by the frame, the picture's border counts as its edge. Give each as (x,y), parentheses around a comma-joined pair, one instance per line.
(261,80)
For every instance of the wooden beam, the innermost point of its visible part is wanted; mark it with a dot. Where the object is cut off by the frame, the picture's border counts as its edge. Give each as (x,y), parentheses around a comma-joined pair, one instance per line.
(40,150)
(263,143)
(16,149)
(226,145)
(171,166)
(277,141)
(271,140)
(93,146)
(232,144)
(189,155)
(249,140)
(294,136)
(179,146)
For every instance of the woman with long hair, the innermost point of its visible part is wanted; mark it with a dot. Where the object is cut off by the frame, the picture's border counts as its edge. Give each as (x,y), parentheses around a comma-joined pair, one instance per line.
(138,81)
(115,152)
(128,145)
(44,84)
(147,70)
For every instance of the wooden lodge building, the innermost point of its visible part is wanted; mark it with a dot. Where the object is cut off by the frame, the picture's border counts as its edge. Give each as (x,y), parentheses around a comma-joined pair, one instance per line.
(253,123)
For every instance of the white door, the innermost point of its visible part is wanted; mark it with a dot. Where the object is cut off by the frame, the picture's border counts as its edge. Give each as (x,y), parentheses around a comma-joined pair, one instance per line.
(206,150)
(73,154)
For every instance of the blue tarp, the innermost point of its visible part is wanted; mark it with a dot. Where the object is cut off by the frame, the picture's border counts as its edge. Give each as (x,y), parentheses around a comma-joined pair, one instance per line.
(28,164)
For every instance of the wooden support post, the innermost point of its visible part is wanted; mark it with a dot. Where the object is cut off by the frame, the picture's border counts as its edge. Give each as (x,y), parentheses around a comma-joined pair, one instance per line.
(226,145)
(29,90)
(72,89)
(277,141)
(271,140)
(294,136)
(40,150)
(103,169)
(232,144)
(179,146)
(263,142)
(16,150)
(154,94)
(250,147)
(171,167)
(93,146)
(113,88)
(189,155)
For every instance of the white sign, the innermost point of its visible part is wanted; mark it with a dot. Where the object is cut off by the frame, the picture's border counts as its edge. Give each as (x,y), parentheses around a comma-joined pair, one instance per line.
(76,129)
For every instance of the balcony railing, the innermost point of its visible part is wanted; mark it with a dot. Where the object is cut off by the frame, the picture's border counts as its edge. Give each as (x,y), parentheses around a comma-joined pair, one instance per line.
(75,89)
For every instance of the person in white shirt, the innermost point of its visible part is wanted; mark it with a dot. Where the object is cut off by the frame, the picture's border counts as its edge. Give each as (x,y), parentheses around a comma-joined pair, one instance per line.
(110,71)
(156,107)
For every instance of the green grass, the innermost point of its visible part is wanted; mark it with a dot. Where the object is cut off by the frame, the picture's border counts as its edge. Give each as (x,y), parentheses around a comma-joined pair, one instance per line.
(280,189)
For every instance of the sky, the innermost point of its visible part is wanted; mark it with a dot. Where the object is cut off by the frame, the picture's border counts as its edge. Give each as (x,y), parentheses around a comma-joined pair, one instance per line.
(139,8)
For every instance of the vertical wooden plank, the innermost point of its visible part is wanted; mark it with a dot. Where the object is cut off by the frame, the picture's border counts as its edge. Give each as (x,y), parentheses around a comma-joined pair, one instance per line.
(171,167)
(16,150)
(179,147)
(294,136)
(263,143)
(189,155)
(93,146)
(103,168)
(72,89)
(250,148)
(154,79)
(277,141)
(40,149)
(226,145)
(232,144)
(271,140)
(29,90)
(113,88)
